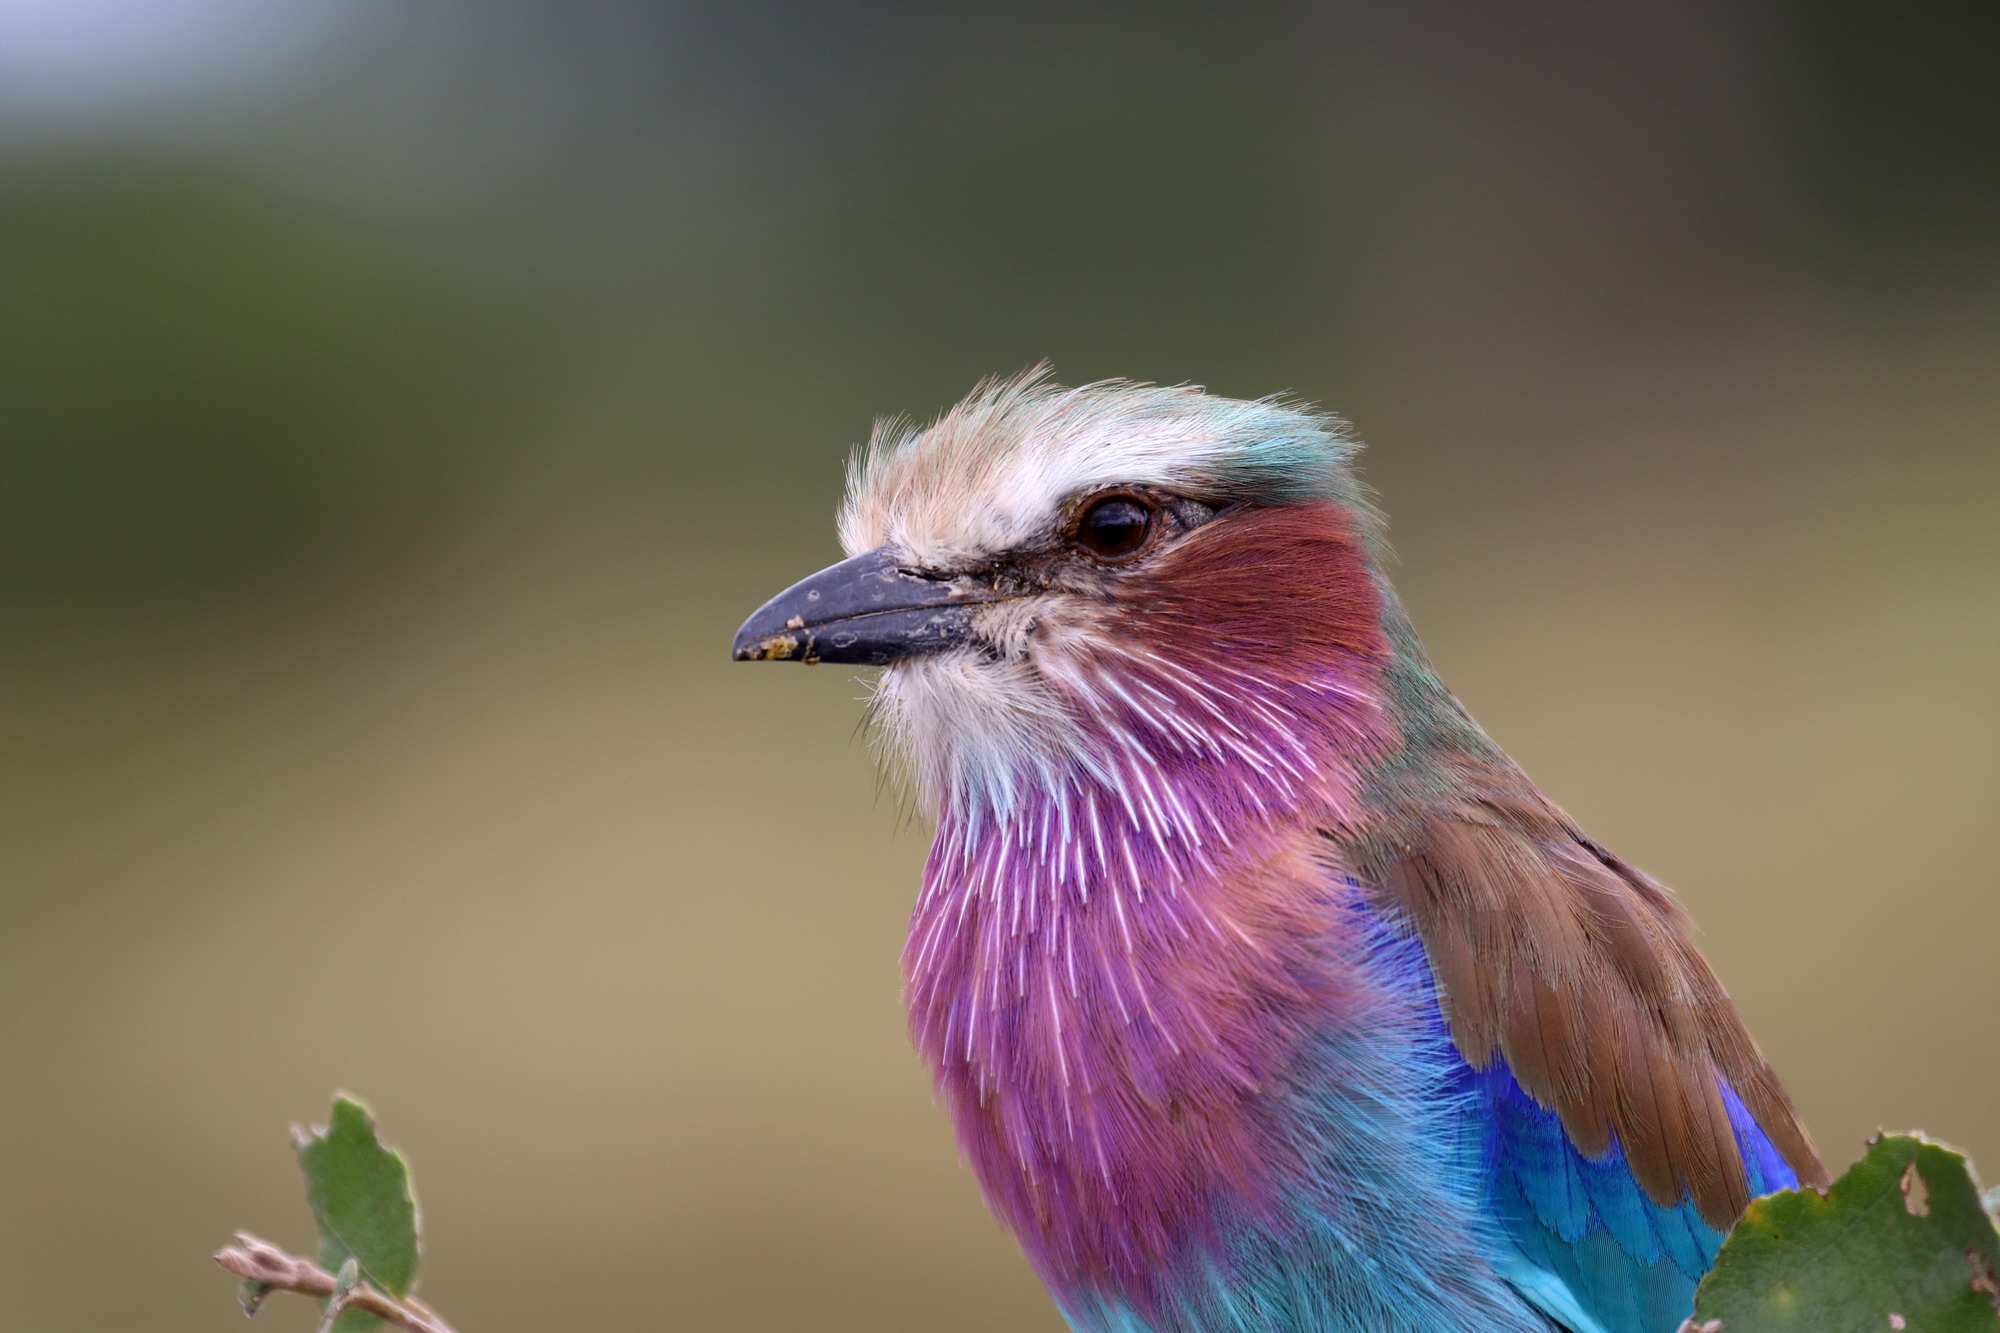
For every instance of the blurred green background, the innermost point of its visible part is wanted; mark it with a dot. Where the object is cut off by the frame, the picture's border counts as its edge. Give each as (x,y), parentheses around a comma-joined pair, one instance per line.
(401,403)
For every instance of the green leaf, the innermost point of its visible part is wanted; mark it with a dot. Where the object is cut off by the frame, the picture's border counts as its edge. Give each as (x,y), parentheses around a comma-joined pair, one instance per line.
(344,1283)
(1902,1241)
(252,1293)
(360,1194)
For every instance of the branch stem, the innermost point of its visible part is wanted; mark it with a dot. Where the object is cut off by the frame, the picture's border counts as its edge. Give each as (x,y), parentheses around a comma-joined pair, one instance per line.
(256,1260)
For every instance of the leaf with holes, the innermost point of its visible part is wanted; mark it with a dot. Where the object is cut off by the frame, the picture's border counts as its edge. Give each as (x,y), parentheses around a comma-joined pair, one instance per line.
(359,1189)
(1902,1241)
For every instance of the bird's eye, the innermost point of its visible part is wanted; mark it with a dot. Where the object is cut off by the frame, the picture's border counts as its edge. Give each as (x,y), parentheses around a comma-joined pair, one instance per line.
(1115,527)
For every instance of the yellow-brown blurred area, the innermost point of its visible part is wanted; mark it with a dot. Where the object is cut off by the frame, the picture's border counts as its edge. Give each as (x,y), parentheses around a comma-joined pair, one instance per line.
(399,410)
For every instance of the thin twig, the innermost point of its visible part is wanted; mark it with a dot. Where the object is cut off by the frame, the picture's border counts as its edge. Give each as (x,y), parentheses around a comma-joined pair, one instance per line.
(259,1261)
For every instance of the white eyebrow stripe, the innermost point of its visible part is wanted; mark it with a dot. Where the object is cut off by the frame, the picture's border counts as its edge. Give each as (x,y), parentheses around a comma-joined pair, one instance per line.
(994,472)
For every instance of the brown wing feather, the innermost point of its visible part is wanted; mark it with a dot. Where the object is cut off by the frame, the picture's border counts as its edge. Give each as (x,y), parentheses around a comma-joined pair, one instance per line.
(1578,970)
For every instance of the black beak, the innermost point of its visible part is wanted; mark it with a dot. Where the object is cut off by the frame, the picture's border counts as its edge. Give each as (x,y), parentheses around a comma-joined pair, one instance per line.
(868,610)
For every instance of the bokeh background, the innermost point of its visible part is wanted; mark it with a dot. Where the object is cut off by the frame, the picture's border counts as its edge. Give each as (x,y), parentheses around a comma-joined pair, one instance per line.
(401,402)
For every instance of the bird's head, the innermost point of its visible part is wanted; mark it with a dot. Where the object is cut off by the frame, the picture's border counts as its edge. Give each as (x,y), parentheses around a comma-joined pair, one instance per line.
(1100,581)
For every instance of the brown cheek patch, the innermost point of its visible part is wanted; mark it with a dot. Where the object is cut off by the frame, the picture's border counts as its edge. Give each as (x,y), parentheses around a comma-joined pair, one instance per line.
(1265,587)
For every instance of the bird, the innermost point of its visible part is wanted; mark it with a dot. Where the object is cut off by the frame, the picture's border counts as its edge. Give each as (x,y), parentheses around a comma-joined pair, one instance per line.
(1264,991)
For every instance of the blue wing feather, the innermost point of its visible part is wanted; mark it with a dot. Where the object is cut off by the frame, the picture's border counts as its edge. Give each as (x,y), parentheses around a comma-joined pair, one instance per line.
(1630,1263)
(1591,1250)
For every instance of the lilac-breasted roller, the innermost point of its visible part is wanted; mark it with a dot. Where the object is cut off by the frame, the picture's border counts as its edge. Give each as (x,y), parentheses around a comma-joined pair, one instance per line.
(1265,992)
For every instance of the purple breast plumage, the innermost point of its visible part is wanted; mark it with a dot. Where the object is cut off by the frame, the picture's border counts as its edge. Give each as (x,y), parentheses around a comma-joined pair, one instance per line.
(1108,973)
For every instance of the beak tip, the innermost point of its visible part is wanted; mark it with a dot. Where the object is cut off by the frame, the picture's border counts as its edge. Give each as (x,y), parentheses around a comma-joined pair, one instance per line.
(770,648)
